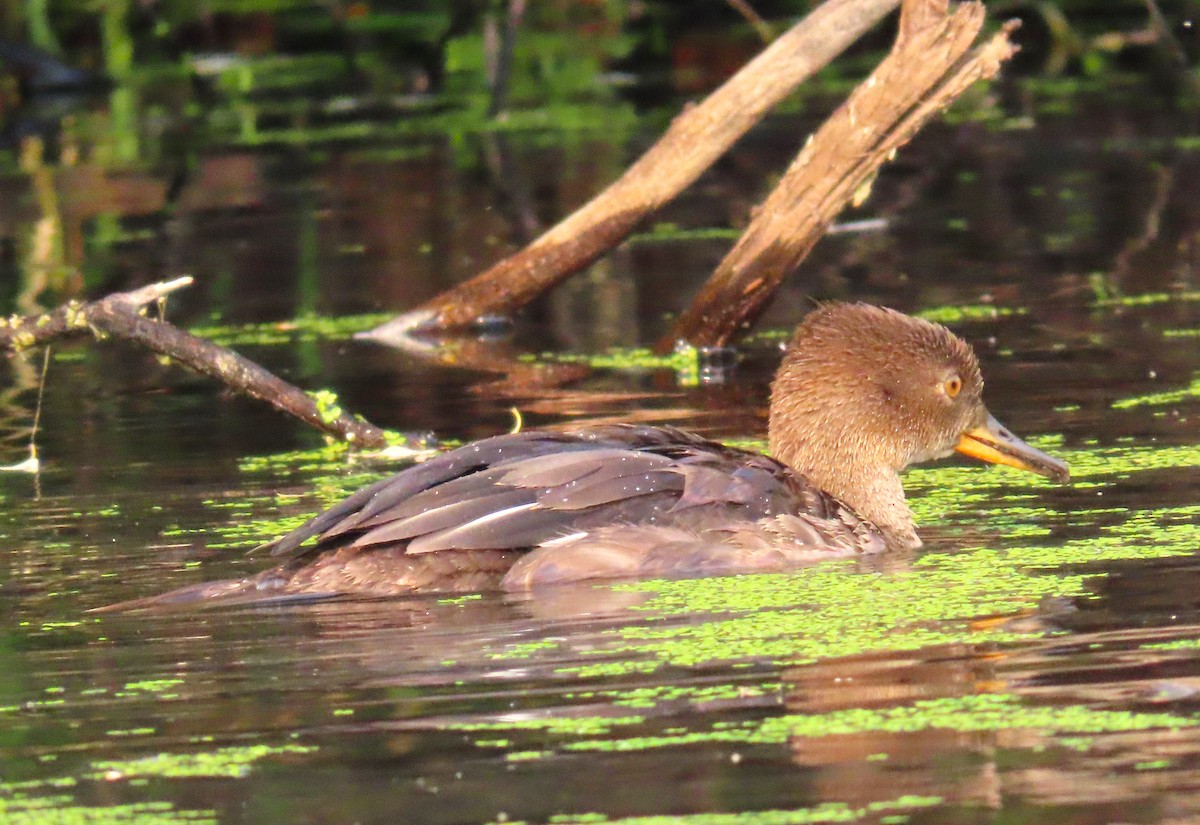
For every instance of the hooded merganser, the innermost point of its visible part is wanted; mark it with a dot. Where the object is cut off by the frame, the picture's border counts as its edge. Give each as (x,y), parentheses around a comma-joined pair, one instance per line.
(862,393)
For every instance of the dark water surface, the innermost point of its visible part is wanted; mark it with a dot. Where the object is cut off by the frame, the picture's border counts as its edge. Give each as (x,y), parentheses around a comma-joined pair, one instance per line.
(1038,661)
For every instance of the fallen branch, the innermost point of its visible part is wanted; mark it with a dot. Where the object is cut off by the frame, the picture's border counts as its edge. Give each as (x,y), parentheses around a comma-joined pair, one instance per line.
(20,332)
(928,68)
(118,315)
(693,142)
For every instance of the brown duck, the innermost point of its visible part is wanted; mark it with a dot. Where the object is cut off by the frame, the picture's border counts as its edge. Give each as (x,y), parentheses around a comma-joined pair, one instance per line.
(862,393)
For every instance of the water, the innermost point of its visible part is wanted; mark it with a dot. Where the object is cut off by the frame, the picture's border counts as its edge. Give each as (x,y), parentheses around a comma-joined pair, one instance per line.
(1037,661)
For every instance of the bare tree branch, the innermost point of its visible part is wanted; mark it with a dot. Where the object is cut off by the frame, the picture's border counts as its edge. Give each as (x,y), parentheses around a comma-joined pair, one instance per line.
(693,142)
(118,315)
(928,68)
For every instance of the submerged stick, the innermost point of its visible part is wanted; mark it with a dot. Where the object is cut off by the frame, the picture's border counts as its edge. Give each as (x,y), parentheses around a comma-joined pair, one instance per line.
(118,315)
(927,69)
(695,139)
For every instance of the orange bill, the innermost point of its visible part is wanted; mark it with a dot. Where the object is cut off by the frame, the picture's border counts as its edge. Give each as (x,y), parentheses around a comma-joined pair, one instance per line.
(993,442)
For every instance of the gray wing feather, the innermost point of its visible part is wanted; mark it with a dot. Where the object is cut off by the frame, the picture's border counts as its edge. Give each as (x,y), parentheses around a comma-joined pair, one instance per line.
(521,526)
(479,484)
(603,491)
(451,514)
(563,468)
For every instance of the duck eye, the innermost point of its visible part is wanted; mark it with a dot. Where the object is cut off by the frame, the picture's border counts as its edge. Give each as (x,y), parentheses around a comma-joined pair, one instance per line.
(953,386)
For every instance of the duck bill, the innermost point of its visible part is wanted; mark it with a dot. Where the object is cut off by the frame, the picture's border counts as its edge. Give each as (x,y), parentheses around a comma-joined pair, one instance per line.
(992,442)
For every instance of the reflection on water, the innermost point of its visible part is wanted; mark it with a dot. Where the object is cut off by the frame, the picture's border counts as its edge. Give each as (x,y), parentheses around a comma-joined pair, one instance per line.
(1037,660)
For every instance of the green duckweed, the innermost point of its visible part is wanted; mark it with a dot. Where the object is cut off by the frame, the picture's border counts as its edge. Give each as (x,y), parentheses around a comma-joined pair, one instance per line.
(226,763)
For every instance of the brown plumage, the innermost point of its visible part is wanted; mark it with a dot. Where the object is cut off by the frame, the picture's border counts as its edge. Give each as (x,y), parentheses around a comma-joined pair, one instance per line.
(878,370)
(862,393)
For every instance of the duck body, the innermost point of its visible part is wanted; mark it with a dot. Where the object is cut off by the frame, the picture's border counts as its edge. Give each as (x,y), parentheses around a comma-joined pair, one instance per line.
(861,393)
(529,509)
(608,502)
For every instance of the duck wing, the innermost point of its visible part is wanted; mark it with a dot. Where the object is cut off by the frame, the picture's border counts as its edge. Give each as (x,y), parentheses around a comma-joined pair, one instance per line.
(521,490)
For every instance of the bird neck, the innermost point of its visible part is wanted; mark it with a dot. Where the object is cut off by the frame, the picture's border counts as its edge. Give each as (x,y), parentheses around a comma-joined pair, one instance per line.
(869,488)
(878,497)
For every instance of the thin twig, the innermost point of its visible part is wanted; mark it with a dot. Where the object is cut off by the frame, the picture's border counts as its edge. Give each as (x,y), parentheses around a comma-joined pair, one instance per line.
(761,27)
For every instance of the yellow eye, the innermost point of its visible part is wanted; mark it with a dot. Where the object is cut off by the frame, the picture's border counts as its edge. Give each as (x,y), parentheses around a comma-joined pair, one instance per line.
(953,386)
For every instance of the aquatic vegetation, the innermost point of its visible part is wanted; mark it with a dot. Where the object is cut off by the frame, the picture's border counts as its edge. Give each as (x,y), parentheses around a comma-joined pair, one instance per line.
(669,232)
(1189,393)
(20,809)
(566,726)
(1152,765)
(826,612)
(969,312)
(974,713)
(227,763)
(684,360)
(328,407)
(304,328)
(1126,458)
(826,812)
(971,713)
(833,610)
(162,688)
(1145,299)
(469,597)
(336,457)
(1179,644)
(696,695)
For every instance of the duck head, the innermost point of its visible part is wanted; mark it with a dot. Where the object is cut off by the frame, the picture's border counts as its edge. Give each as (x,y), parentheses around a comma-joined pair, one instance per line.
(863,392)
